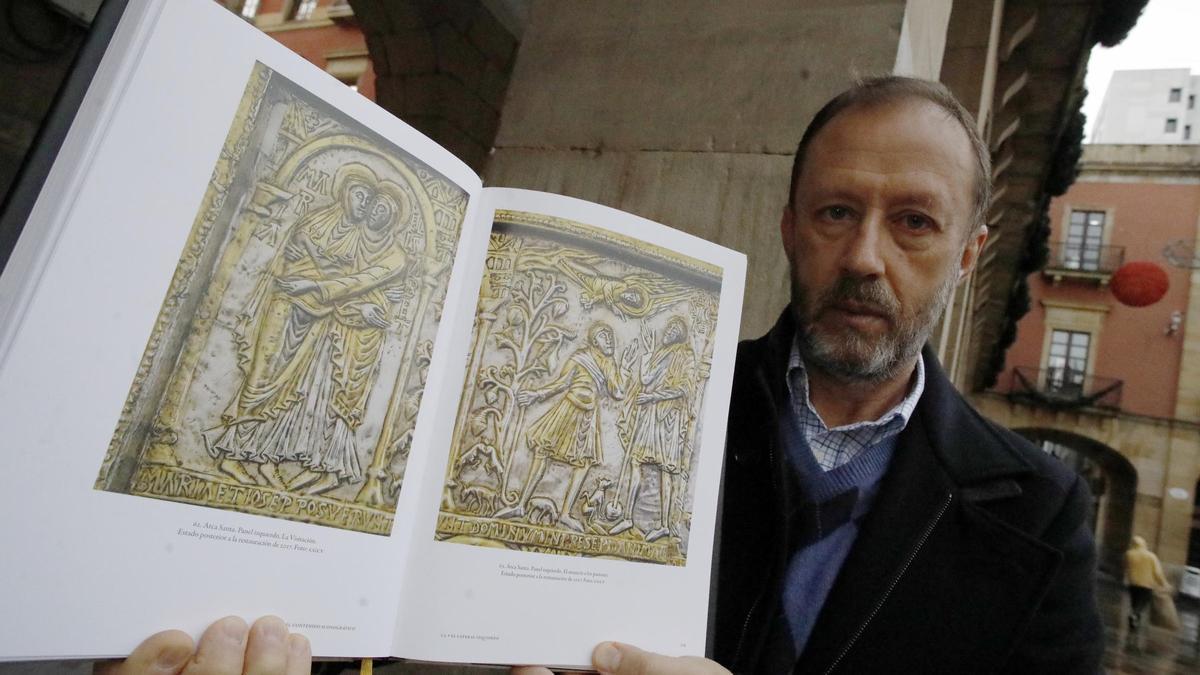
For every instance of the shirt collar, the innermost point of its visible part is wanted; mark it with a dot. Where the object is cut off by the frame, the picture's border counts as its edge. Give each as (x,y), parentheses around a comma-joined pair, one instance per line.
(797,382)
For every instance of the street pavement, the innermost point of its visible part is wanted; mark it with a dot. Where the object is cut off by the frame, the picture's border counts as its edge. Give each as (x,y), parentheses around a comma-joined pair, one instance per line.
(1151,649)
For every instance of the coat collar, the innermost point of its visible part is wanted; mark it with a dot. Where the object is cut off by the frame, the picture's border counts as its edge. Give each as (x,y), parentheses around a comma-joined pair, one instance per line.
(938,462)
(944,417)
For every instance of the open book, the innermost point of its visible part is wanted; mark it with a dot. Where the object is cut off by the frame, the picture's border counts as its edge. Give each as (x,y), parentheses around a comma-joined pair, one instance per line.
(266,349)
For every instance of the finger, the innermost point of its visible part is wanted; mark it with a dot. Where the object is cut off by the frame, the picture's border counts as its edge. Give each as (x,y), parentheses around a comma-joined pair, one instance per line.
(267,647)
(530,670)
(299,661)
(221,650)
(615,658)
(163,653)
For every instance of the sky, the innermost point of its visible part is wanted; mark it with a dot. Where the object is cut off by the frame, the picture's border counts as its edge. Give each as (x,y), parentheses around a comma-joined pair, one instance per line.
(1166,36)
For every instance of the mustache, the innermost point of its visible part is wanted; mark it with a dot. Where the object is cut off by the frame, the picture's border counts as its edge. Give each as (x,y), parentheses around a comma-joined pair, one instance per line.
(870,296)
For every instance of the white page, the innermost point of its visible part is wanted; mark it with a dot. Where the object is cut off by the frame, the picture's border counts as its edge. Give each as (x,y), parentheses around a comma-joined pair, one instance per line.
(490,603)
(88,572)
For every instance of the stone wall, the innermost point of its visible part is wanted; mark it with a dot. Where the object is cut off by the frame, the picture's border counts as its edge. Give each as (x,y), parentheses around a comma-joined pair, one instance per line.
(686,112)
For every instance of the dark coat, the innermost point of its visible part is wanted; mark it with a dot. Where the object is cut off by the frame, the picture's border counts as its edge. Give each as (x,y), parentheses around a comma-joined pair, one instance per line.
(976,557)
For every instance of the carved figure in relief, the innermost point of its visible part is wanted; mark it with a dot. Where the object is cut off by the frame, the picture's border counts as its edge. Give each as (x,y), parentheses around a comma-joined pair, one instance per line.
(310,338)
(634,295)
(594,501)
(655,424)
(569,433)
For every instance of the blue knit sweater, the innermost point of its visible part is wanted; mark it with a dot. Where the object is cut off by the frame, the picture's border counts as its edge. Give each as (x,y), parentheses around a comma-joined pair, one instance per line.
(823,510)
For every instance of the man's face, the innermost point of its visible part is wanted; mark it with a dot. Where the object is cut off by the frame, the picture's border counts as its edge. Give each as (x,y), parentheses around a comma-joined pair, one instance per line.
(879,235)
(673,334)
(604,341)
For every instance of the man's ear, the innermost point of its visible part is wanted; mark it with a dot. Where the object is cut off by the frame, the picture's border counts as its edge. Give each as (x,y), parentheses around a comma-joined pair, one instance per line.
(787,229)
(971,251)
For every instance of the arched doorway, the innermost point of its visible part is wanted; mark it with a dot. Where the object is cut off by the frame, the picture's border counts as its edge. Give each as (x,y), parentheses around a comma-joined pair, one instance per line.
(1113,482)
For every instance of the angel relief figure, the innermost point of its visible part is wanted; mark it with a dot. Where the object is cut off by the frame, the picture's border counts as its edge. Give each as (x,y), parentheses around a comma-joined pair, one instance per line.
(569,433)
(636,295)
(310,337)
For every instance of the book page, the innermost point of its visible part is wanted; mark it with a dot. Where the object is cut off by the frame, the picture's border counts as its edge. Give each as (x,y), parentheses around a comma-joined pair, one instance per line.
(577,500)
(211,400)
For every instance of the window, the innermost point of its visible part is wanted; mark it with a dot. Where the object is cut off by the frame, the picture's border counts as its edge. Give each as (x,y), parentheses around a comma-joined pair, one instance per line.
(1175,95)
(1085,236)
(1066,365)
(347,65)
(302,10)
(1191,101)
(249,9)
(1187,132)
(1172,123)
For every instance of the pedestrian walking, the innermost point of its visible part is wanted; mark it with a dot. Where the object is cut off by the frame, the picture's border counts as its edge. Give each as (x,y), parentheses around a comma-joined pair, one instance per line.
(1144,575)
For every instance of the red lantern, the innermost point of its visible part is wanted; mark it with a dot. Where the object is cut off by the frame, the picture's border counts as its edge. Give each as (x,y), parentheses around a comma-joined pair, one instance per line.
(1139,284)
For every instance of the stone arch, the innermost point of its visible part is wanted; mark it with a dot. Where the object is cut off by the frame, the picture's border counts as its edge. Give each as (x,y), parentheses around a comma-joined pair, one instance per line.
(1116,484)
(443,66)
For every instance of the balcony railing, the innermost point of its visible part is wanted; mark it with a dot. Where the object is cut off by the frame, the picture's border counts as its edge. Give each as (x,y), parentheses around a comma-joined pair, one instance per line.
(1083,261)
(1064,388)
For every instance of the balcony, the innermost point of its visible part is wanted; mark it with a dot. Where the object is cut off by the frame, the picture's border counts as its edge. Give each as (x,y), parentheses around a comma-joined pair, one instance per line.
(1083,262)
(1064,388)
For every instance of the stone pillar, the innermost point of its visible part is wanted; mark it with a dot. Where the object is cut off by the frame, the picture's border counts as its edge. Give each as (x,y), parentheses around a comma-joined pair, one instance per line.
(1183,470)
(38,45)
(688,112)
(441,66)
(968,69)
(1187,400)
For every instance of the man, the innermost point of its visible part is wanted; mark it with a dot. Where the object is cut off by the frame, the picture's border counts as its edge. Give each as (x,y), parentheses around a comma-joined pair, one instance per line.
(872,521)
(655,424)
(569,433)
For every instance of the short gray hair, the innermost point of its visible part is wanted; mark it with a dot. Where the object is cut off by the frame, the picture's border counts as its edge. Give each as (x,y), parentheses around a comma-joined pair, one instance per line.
(886,89)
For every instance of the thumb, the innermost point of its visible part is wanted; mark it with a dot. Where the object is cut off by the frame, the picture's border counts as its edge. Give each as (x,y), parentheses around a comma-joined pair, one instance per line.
(164,653)
(615,658)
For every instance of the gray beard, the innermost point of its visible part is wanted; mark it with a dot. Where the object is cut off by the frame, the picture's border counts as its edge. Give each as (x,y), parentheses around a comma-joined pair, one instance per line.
(856,358)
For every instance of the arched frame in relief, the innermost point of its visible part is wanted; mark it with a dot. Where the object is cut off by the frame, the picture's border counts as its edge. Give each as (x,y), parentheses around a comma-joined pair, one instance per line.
(143,451)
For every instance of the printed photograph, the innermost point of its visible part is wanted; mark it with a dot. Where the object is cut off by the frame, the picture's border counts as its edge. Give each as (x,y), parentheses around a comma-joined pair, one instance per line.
(578,430)
(285,371)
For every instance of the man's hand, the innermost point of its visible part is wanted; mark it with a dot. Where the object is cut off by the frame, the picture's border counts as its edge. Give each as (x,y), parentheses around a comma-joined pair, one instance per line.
(615,658)
(528,397)
(228,647)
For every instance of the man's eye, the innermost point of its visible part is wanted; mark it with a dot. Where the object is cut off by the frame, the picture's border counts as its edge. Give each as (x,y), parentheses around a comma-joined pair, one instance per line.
(916,222)
(837,212)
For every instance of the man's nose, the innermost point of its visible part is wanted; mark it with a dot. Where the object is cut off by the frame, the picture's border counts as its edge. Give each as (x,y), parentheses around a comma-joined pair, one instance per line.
(863,253)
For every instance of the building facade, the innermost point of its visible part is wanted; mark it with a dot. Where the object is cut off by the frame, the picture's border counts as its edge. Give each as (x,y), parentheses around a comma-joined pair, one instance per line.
(1150,107)
(325,32)
(1112,389)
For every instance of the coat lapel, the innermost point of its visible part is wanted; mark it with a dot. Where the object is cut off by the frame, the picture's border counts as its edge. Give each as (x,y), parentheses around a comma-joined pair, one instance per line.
(938,476)
(913,498)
